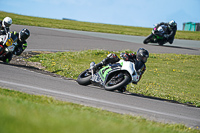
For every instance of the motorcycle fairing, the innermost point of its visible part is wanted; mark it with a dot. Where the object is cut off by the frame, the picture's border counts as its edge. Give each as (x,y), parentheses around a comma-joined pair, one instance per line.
(102,75)
(97,79)
(158,33)
(130,68)
(9,42)
(105,71)
(11,39)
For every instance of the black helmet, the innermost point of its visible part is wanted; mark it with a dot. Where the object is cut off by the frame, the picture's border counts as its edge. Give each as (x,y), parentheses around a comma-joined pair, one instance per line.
(142,55)
(24,34)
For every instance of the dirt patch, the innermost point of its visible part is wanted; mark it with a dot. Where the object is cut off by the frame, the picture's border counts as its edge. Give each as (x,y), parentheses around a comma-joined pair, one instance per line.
(20,61)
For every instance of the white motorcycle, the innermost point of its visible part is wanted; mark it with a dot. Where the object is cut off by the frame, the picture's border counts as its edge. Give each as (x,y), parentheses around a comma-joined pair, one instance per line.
(111,77)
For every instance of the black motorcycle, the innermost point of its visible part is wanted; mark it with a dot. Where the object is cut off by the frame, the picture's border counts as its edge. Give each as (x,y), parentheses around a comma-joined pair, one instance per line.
(157,35)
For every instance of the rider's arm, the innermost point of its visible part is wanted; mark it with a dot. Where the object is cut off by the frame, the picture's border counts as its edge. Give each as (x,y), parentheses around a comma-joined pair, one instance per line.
(128,57)
(24,46)
(7,29)
(4,30)
(111,58)
(20,48)
(124,56)
(141,71)
(173,32)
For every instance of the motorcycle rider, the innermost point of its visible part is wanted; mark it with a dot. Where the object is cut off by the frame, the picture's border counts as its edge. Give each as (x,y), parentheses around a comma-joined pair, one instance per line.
(139,60)
(21,44)
(4,25)
(171,31)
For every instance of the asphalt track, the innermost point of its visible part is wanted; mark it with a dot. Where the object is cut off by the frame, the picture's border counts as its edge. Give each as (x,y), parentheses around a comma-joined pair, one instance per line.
(68,90)
(64,40)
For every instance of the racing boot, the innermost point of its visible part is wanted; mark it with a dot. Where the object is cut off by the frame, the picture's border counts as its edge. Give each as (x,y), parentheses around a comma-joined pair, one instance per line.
(92,64)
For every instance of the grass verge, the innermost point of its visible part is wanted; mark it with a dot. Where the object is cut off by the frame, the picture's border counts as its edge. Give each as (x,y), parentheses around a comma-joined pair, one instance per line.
(21,112)
(168,76)
(86,26)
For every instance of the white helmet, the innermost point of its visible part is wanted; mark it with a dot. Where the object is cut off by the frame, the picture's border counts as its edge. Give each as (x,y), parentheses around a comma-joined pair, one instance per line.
(7,21)
(172,23)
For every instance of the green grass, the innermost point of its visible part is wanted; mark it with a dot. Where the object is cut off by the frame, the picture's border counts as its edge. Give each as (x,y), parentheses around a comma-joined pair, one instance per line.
(25,113)
(86,26)
(168,76)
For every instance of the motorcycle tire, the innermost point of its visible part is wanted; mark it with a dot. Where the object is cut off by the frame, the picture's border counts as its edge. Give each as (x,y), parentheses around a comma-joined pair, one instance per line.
(161,44)
(84,78)
(124,82)
(148,39)
(7,58)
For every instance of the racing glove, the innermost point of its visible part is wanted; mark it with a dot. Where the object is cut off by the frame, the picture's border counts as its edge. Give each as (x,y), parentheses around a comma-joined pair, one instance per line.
(124,56)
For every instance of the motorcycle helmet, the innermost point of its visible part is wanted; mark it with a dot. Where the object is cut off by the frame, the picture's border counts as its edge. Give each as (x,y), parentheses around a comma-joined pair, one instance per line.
(172,23)
(24,34)
(142,55)
(7,21)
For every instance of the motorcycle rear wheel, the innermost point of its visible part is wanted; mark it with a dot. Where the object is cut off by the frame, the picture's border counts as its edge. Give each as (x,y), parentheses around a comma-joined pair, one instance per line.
(111,85)
(84,78)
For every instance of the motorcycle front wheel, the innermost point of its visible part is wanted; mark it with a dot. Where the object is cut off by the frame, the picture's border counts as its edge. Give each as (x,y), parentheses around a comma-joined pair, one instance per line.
(117,81)
(148,39)
(7,58)
(84,78)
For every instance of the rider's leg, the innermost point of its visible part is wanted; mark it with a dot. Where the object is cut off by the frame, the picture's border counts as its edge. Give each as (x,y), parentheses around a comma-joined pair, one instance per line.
(1,49)
(170,40)
(111,58)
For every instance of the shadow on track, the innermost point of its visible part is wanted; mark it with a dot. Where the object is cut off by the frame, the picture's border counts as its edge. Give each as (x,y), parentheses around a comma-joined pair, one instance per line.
(175,47)
(141,95)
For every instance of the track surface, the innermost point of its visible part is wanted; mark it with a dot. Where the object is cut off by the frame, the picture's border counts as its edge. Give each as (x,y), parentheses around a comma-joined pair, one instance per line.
(68,90)
(59,39)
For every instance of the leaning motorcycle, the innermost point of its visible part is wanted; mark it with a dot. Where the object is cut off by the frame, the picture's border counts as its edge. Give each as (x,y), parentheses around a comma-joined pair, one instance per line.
(8,42)
(157,35)
(111,77)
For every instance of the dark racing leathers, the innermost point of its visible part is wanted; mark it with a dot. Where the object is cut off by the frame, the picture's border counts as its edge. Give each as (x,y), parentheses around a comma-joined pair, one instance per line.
(3,30)
(171,32)
(21,46)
